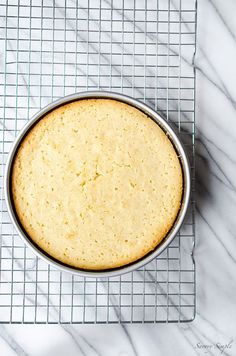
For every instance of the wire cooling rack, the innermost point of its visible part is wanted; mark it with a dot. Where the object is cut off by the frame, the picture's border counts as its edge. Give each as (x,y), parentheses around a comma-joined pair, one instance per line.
(53,48)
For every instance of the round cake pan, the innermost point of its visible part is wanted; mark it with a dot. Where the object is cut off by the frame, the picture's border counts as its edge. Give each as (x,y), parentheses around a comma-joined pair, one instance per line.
(186,183)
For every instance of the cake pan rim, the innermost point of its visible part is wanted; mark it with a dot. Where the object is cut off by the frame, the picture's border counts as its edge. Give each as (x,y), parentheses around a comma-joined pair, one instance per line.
(176,143)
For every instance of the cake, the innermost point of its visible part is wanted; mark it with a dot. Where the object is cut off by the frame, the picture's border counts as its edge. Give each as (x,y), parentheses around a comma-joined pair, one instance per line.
(96,184)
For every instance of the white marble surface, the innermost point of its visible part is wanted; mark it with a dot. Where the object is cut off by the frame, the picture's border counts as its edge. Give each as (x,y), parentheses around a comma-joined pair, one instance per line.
(214,327)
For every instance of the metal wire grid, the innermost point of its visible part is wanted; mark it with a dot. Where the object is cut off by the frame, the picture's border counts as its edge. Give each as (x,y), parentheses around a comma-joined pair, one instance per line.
(54,48)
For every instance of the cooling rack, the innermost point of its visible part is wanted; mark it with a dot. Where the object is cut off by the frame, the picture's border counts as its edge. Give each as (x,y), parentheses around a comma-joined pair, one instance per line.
(140,48)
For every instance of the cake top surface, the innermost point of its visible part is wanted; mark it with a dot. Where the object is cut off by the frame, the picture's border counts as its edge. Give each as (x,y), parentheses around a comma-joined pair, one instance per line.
(96,184)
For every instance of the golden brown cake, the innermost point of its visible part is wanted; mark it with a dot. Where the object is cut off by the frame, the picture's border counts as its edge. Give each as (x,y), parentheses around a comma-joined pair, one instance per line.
(96,184)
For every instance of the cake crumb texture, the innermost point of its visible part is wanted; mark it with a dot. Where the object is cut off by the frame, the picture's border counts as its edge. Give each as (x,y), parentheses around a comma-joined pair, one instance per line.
(96,184)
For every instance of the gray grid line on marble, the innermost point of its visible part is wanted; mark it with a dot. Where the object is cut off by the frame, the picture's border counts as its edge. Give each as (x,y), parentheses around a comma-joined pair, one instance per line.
(143,49)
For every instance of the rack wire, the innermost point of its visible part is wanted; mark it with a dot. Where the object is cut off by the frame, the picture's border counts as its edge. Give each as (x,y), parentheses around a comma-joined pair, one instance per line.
(140,48)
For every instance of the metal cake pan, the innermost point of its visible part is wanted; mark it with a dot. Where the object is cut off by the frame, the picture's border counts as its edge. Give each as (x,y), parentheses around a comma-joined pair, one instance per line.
(186,184)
